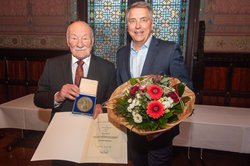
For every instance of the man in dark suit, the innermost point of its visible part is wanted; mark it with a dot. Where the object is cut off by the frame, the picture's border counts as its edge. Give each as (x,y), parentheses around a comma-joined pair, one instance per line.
(56,87)
(143,56)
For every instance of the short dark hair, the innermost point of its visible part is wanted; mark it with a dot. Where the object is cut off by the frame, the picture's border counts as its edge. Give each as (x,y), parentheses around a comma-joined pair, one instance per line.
(140,4)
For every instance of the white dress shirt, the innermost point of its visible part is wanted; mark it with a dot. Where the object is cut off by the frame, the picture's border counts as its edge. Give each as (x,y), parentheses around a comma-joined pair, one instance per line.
(137,58)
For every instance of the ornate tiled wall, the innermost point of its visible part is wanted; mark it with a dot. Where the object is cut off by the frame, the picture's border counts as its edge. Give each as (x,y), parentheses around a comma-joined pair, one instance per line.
(107,18)
(170,19)
(39,24)
(227,25)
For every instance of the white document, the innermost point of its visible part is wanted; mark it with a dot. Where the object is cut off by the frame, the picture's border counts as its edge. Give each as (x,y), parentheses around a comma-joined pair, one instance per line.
(82,139)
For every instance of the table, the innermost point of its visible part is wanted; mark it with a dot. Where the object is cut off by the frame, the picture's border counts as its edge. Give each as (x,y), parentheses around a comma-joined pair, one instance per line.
(218,128)
(21,113)
(210,127)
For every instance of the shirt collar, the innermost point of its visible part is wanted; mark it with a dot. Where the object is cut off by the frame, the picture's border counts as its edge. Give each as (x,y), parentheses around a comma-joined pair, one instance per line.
(146,44)
(85,60)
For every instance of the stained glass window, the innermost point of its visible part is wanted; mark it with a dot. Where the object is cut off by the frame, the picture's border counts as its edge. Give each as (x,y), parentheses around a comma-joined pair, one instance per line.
(107,18)
(170,19)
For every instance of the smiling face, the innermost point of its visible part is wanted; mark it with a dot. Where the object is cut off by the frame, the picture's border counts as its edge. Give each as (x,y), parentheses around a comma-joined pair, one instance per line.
(80,39)
(139,25)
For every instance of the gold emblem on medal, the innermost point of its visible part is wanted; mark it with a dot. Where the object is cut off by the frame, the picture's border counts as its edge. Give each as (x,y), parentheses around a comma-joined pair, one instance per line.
(84,104)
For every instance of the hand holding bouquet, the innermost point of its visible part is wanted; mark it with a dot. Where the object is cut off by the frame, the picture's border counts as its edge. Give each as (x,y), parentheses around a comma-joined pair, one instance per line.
(150,104)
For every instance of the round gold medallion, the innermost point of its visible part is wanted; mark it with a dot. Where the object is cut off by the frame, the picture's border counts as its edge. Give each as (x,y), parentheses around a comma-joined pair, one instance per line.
(84,104)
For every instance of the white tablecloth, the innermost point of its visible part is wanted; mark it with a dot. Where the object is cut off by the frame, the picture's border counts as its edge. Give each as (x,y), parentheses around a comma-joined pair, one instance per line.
(21,113)
(219,128)
(210,127)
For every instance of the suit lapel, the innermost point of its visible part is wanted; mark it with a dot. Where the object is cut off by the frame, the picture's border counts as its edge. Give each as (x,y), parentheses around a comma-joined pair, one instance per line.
(93,63)
(66,69)
(127,64)
(152,53)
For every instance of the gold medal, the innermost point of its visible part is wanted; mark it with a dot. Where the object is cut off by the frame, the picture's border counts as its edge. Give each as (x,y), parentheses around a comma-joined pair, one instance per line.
(84,104)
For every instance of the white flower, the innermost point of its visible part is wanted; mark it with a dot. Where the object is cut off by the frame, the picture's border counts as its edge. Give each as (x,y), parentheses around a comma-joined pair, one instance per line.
(137,117)
(129,100)
(138,96)
(129,109)
(137,102)
(167,102)
(170,100)
(133,104)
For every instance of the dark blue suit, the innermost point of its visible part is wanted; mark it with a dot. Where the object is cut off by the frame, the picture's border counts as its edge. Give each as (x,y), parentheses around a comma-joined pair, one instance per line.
(163,57)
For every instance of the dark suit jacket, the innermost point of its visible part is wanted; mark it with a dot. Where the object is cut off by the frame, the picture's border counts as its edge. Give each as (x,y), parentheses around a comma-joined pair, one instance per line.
(163,57)
(57,72)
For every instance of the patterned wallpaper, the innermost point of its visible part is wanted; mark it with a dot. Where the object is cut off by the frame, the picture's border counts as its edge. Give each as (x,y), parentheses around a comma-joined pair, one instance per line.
(39,24)
(107,18)
(227,25)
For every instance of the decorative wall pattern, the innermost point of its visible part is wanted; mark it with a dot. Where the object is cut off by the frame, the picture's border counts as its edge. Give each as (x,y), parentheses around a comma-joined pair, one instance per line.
(107,18)
(170,19)
(227,25)
(33,42)
(35,23)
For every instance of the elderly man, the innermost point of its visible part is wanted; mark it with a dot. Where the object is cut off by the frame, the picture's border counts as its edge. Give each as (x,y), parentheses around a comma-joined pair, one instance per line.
(57,87)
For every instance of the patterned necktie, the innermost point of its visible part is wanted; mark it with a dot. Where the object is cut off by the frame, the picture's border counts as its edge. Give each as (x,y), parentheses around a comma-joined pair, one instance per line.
(79,72)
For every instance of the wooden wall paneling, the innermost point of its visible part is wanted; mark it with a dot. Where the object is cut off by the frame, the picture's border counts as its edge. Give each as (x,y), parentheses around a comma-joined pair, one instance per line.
(16,70)
(3,93)
(193,36)
(16,77)
(226,78)
(198,62)
(241,79)
(2,69)
(213,100)
(20,71)
(240,95)
(215,78)
(82,10)
(34,70)
(16,91)
(3,76)
(240,102)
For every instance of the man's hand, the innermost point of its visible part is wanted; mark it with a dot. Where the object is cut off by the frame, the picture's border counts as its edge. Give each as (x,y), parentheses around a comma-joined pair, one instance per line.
(68,91)
(97,111)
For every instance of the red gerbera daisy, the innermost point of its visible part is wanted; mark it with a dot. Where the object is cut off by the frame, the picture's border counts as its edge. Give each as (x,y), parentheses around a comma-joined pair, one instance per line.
(155,109)
(155,92)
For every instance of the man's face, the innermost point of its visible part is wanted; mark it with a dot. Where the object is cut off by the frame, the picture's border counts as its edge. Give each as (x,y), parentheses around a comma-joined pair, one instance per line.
(139,25)
(80,40)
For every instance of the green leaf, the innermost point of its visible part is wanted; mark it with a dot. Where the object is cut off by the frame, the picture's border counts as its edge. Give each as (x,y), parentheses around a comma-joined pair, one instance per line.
(177,109)
(165,81)
(168,114)
(181,88)
(173,118)
(133,81)
(185,99)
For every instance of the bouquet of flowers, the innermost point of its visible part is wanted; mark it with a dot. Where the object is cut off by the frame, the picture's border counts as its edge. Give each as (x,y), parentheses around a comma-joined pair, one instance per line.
(150,104)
